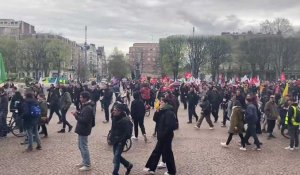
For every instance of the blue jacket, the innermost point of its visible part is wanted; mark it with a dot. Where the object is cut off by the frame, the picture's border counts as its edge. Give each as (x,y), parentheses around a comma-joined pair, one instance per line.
(251,114)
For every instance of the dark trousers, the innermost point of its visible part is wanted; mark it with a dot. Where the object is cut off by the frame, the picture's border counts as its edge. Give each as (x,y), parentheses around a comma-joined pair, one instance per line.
(271,126)
(215,112)
(56,110)
(225,117)
(258,126)
(139,122)
(251,131)
(3,125)
(118,150)
(106,110)
(77,104)
(164,148)
(230,138)
(19,121)
(44,129)
(207,118)
(294,136)
(192,112)
(64,118)
(183,100)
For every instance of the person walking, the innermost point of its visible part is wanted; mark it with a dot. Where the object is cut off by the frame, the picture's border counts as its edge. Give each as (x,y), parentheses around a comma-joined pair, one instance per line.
(121,130)
(251,119)
(30,121)
(107,100)
(65,103)
(165,133)
(205,113)
(85,122)
(53,101)
(192,103)
(293,125)
(236,125)
(44,110)
(271,112)
(138,113)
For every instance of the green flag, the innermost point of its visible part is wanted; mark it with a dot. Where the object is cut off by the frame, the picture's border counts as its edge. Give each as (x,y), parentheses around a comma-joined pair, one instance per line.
(3,75)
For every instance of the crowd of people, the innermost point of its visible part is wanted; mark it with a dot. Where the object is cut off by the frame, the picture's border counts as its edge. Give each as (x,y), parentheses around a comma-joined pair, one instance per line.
(260,108)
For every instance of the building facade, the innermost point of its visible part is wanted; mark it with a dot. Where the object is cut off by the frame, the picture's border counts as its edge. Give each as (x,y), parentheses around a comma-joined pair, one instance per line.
(145,59)
(10,27)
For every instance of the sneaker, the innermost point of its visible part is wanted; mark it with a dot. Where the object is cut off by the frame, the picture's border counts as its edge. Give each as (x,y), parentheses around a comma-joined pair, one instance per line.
(296,147)
(257,149)
(85,168)
(189,122)
(223,126)
(243,149)
(128,169)
(29,149)
(289,148)
(61,131)
(211,128)
(223,144)
(38,148)
(161,165)
(148,171)
(60,122)
(70,128)
(79,165)
(105,121)
(197,127)
(135,138)
(167,173)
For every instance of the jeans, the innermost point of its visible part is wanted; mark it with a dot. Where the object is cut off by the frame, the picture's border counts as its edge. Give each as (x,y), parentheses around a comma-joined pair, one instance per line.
(139,122)
(164,148)
(84,150)
(118,150)
(294,136)
(33,130)
(251,131)
(64,118)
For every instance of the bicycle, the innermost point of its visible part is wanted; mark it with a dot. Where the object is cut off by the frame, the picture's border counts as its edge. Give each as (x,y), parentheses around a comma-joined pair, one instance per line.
(12,125)
(127,146)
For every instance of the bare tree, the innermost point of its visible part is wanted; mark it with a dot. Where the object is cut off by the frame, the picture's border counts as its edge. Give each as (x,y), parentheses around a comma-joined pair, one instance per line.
(281,26)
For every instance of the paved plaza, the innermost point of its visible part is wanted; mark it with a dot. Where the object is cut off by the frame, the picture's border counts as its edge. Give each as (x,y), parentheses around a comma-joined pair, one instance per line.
(196,152)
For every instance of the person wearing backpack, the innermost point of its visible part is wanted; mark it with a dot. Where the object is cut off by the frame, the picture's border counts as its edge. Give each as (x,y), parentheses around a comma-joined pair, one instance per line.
(85,122)
(166,124)
(121,130)
(44,110)
(65,103)
(31,116)
(292,120)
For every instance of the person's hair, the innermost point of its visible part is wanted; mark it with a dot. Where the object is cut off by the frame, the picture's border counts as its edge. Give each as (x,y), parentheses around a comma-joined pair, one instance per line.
(237,103)
(136,95)
(250,98)
(29,95)
(85,95)
(166,100)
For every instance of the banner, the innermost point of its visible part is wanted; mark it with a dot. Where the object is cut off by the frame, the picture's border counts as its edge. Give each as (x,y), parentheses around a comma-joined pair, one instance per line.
(3,74)
(282,77)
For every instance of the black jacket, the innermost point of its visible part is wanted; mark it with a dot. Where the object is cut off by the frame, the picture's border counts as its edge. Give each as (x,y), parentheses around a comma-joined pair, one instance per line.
(16,103)
(166,123)
(85,119)
(137,110)
(28,120)
(251,114)
(121,129)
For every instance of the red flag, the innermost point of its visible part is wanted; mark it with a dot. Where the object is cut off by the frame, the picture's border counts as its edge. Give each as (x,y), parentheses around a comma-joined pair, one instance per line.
(282,77)
(188,75)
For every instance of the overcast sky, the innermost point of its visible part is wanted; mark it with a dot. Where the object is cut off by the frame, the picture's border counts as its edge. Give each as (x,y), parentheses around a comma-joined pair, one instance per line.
(120,23)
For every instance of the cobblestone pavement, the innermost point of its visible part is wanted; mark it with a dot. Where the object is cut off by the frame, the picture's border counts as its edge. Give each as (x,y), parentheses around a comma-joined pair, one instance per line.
(196,152)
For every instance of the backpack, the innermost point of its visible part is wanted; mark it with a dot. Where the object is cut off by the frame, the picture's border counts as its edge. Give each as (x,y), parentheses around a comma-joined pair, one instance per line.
(35,110)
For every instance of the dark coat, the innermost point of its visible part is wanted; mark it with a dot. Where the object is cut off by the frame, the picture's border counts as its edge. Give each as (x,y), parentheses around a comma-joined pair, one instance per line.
(166,123)
(251,114)
(3,104)
(65,101)
(85,119)
(206,107)
(16,103)
(236,120)
(29,121)
(121,129)
(137,110)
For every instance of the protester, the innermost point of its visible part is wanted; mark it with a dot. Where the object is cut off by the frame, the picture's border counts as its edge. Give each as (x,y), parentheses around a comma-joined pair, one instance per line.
(293,125)
(271,111)
(85,122)
(44,110)
(205,113)
(3,112)
(65,103)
